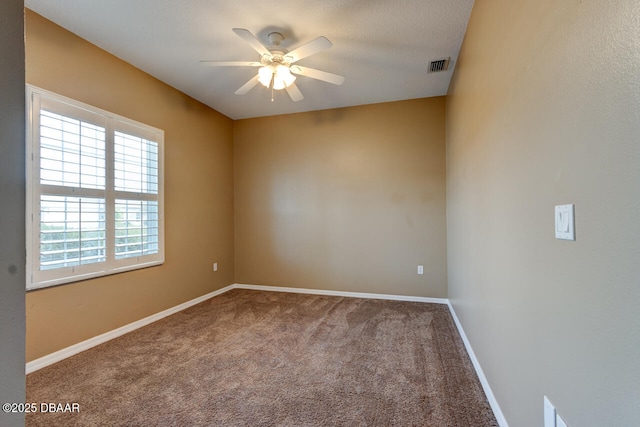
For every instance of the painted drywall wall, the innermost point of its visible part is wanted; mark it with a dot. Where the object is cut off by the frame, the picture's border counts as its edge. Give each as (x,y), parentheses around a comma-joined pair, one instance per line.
(350,199)
(544,109)
(12,213)
(198,192)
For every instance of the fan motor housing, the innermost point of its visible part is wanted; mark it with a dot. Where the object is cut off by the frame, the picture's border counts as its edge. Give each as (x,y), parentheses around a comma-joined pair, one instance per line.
(275,38)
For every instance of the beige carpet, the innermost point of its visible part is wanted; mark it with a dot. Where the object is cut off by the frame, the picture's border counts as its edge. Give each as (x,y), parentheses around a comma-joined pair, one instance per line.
(253,358)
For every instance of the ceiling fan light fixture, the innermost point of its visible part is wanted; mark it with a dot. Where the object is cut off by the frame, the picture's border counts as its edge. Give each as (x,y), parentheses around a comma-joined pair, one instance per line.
(265,74)
(284,75)
(278,84)
(277,75)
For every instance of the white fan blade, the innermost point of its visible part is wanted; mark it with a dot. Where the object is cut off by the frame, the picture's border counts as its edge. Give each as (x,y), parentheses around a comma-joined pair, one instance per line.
(248,85)
(317,74)
(252,40)
(294,93)
(314,46)
(231,63)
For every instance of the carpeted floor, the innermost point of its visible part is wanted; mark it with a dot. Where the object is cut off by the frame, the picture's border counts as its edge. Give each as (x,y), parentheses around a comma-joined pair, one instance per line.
(254,358)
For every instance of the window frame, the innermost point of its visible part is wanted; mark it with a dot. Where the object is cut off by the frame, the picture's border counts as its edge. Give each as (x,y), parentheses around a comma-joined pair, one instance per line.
(112,123)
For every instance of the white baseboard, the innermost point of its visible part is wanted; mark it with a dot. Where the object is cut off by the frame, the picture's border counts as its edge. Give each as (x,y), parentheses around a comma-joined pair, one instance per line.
(341,293)
(497,412)
(59,355)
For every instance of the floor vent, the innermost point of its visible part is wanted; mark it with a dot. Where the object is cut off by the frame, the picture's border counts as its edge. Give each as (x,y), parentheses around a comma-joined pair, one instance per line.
(439,65)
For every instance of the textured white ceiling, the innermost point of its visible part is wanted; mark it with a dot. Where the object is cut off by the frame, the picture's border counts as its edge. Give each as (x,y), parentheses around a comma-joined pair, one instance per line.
(382,47)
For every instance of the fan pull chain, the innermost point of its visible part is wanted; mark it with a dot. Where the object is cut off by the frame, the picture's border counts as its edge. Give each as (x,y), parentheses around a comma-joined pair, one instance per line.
(272,83)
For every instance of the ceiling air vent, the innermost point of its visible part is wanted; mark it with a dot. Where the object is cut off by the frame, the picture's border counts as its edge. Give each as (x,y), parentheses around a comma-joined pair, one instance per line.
(439,65)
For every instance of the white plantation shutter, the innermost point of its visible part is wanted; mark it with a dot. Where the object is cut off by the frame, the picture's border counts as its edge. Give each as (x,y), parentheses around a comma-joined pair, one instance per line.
(72,231)
(95,197)
(72,151)
(136,228)
(136,164)
(136,172)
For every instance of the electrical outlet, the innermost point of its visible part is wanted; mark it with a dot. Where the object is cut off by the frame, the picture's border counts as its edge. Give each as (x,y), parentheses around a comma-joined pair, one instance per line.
(420,269)
(215,266)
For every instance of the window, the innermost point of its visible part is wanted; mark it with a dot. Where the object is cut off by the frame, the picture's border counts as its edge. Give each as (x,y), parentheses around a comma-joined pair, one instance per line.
(95,200)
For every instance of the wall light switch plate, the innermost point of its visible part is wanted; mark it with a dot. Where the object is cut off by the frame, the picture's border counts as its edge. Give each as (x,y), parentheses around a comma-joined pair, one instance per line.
(565,224)
(549,413)
(215,266)
(420,269)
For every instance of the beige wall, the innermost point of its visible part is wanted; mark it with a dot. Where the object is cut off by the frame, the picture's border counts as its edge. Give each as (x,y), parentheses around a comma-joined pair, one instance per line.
(544,109)
(12,213)
(350,199)
(198,192)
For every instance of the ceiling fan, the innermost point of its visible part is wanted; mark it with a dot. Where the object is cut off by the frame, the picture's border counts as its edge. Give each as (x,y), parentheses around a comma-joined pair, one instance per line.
(277,66)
